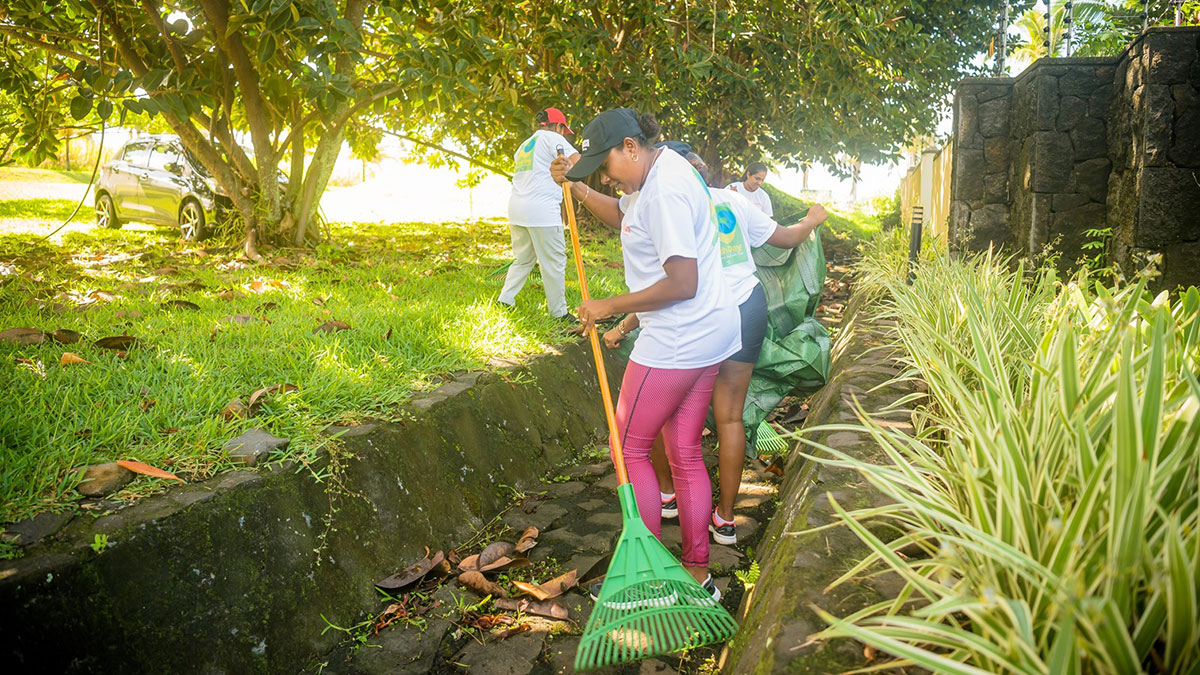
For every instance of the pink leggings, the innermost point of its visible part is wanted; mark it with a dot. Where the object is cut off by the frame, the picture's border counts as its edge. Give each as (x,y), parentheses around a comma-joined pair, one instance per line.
(675,401)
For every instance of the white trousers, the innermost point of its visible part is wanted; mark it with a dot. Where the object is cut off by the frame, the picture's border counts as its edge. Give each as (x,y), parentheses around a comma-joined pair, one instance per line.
(547,247)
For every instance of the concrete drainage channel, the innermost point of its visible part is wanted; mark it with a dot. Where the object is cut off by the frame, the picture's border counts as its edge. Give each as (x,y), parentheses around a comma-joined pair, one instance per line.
(235,574)
(446,629)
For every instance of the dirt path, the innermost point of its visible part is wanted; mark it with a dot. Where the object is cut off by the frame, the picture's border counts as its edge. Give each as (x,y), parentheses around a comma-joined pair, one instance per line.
(445,628)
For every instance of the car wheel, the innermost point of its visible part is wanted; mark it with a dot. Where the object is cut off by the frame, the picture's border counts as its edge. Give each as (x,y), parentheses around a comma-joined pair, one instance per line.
(106,213)
(191,221)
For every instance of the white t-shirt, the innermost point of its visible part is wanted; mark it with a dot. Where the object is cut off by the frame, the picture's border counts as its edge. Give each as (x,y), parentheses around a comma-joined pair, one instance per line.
(673,216)
(740,227)
(535,196)
(759,197)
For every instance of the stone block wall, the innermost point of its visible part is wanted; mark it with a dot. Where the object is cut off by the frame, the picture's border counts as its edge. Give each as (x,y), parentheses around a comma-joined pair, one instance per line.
(1086,144)
(1154,189)
(979,170)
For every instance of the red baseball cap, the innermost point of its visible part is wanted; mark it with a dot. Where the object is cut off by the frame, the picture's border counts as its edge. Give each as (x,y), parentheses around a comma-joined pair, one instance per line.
(553,116)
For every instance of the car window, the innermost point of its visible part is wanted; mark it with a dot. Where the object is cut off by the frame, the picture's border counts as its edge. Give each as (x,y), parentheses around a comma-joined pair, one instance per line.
(162,156)
(137,153)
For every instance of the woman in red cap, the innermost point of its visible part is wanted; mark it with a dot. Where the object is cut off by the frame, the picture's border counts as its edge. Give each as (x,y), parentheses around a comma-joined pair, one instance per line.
(535,220)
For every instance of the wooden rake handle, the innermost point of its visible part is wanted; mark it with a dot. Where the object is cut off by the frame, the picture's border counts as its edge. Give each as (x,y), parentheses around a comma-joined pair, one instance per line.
(594,338)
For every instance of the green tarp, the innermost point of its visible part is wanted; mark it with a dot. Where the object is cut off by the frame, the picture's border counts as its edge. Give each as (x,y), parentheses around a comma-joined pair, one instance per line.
(795,354)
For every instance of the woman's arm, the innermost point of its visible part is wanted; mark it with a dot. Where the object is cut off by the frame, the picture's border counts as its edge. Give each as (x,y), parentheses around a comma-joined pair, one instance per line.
(602,206)
(617,334)
(793,235)
(681,283)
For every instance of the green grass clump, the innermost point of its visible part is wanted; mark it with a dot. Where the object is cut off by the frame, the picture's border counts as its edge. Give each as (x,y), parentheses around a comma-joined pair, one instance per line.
(419,300)
(1051,485)
(855,225)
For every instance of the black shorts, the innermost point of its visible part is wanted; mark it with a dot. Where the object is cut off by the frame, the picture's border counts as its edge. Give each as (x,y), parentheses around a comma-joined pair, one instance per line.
(754,326)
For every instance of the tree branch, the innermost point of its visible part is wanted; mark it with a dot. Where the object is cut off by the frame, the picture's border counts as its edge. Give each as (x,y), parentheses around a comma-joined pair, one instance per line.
(17,34)
(152,9)
(257,114)
(433,146)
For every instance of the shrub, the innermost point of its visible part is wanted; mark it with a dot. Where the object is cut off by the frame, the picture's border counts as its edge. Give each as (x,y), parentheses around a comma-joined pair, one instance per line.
(1051,484)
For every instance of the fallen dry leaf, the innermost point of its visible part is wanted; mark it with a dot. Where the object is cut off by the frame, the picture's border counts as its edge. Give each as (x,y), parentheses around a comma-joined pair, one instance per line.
(480,584)
(494,551)
(548,608)
(411,574)
(256,397)
(146,469)
(319,301)
(118,342)
(23,336)
(239,318)
(181,304)
(230,295)
(128,314)
(69,358)
(147,404)
(331,326)
(523,628)
(265,306)
(469,563)
(66,336)
(388,335)
(504,563)
(528,539)
(551,589)
(234,410)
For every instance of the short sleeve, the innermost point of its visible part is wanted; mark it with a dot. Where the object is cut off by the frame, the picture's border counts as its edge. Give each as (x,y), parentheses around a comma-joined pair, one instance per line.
(757,225)
(568,149)
(668,221)
(766,202)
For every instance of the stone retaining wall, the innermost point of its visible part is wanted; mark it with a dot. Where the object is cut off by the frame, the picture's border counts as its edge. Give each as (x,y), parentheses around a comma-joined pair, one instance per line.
(776,616)
(234,574)
(1086,143)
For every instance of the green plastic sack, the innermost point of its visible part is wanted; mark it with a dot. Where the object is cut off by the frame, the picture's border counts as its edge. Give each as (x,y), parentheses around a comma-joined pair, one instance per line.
(795,355)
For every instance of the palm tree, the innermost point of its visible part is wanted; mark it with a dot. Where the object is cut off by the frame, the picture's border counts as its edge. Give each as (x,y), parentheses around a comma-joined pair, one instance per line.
(1030,45)
(1092,20)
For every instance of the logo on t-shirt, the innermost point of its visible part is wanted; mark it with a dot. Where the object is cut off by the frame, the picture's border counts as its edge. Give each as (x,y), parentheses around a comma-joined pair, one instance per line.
(524,156)
(733,242)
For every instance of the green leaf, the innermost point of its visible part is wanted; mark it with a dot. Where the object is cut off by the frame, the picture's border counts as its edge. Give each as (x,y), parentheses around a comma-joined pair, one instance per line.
(104,109)
(80,107)
(266,48)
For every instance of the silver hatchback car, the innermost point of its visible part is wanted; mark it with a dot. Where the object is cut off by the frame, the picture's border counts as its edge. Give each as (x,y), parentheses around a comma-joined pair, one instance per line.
(153,179)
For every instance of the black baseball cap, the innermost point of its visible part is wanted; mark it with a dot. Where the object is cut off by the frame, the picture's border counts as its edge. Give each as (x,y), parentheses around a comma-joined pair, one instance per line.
(602,134)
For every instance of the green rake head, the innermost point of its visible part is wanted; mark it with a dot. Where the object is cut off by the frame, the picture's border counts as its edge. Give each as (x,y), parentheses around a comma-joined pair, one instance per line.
(768,441)
(649,605)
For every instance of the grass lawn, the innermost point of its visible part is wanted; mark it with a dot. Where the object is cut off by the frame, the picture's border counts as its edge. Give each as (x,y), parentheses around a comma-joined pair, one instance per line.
(418,299)
(24,174)
(41,210)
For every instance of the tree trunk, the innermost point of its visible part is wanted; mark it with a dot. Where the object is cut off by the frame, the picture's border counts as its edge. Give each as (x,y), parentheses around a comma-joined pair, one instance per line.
(316,178)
